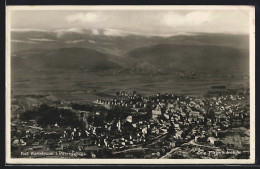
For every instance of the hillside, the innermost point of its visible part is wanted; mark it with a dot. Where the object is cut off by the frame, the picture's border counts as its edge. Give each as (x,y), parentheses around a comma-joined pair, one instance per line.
(64,58)
(106,49)
(191,57)
(116,42)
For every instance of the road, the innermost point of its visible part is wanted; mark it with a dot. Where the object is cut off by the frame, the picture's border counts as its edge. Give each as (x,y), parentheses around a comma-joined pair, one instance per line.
(168,155)
(130,149)
(154,140)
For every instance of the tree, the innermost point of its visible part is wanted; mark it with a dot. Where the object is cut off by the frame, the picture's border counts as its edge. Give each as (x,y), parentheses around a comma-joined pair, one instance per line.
(211,113)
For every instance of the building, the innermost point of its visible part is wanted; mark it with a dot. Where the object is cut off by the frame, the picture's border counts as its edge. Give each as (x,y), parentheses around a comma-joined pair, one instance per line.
(156,113)
(212,140)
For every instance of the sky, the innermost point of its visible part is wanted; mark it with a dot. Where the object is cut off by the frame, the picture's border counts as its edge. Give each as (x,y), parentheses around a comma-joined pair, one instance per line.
(141,21)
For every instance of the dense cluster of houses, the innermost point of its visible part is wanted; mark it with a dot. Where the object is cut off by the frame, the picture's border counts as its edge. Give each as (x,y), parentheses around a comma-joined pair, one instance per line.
(173,121)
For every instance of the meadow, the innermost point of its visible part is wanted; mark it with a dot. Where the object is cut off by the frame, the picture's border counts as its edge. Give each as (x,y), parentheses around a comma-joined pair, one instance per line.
(80,86)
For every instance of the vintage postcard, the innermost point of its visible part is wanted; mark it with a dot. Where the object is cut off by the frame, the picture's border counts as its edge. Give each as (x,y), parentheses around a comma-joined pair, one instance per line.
(130,84)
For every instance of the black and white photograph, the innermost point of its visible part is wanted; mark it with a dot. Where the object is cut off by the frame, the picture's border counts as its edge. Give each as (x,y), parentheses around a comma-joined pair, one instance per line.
(130,84)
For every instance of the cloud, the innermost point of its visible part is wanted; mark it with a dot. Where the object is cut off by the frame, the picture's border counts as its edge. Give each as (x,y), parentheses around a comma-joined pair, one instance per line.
(113,32)
(22,41)
(172,19)
(157,22)
(199,17)
(42,40)
(83,17)
(28,30)
(61,32)
(91,41)
(95,31)
(75,41)
(150,22)
(196,18)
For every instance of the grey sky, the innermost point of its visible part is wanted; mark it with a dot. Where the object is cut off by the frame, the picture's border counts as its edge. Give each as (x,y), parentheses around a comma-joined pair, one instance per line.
(149,21)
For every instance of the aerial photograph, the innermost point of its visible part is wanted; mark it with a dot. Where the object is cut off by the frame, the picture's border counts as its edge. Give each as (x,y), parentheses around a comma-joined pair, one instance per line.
(130,83)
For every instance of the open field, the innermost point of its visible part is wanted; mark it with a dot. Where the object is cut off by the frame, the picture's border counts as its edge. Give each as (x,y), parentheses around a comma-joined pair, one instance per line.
(88,86)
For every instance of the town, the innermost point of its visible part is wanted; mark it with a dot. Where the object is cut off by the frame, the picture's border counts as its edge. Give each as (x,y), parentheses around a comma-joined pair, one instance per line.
(165,126)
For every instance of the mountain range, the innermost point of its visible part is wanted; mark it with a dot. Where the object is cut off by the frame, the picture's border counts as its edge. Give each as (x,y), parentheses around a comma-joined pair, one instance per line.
(99,50)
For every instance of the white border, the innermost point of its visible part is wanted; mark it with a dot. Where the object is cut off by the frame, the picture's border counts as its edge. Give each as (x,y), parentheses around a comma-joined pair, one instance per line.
(10,160)
(133,7)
